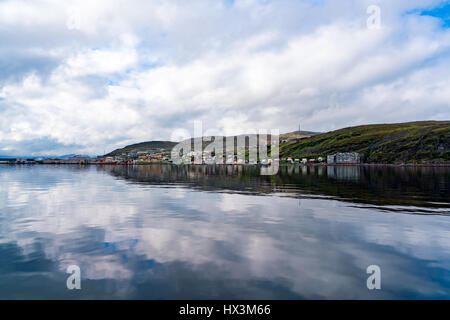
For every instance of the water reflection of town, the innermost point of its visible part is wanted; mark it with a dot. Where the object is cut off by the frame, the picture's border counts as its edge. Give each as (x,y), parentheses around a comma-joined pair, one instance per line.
(350,173)
(418,187)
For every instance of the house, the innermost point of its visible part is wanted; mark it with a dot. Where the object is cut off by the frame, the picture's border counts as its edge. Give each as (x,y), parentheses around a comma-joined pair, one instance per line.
(344,158)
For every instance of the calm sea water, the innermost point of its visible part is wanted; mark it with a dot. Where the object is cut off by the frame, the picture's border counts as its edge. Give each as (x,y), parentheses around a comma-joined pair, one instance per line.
(198,232)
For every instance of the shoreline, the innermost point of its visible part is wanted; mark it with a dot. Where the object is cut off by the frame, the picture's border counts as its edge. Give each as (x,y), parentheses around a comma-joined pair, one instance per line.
(234,164)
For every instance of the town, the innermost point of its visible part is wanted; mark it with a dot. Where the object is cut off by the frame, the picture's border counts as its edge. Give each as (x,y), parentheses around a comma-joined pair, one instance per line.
(163,156)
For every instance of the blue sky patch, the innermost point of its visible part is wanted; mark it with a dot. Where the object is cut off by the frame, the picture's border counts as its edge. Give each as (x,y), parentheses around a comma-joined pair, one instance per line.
(228,3)
(442,12)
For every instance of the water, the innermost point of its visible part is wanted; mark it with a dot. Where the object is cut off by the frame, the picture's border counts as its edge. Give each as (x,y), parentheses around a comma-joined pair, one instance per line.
(162,232)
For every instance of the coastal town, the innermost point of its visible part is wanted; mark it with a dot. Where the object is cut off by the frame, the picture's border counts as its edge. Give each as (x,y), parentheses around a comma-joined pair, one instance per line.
(163,156)
(349,146)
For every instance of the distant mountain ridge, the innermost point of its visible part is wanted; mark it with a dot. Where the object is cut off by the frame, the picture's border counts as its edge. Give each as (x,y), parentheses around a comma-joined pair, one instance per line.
(142,147)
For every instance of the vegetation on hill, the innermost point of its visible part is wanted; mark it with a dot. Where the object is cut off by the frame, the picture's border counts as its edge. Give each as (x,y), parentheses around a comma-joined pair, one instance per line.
(298,134)
(143,147)
(168,145)
(380,143)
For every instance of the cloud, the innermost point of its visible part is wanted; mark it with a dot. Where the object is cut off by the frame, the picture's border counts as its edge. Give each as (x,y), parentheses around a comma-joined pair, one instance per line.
(96,76)
(237,237)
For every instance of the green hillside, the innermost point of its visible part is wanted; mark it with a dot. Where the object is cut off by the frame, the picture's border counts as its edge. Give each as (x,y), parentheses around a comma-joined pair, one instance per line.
(298,134)
(380,143)
(143,147)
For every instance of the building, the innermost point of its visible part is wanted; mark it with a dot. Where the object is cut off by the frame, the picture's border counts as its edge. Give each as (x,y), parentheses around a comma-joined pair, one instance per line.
(331,158)
(344,158)
(25,161)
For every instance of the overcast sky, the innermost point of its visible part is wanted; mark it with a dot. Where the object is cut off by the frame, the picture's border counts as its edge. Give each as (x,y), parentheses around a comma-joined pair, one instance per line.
(96,75)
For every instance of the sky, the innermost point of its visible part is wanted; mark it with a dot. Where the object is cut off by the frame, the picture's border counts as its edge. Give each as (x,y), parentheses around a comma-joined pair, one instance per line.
(90,76)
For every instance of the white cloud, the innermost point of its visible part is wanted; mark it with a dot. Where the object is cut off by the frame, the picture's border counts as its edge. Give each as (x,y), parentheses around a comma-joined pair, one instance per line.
(132,71)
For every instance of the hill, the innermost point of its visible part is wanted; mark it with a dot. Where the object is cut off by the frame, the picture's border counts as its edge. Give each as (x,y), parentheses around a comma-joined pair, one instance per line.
(142,147)
(379,143)
(298,135)
(168,145)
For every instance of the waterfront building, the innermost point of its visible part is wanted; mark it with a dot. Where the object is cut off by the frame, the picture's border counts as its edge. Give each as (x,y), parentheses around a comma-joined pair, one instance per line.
(344,158)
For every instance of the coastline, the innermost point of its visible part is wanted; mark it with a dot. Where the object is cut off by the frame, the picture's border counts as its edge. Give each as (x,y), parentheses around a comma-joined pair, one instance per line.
(445,164)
